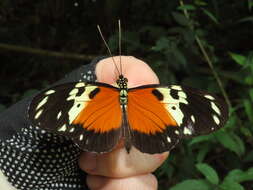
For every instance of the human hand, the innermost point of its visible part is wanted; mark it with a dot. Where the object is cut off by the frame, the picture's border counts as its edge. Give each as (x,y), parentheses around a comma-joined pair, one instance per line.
(118,169)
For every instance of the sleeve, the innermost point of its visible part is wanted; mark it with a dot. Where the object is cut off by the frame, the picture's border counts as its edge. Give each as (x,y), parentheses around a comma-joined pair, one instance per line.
(31,158)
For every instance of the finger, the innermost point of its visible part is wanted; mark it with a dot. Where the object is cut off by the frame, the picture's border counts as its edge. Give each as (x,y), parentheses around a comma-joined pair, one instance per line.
(143,182)
(119,163)
(136,71)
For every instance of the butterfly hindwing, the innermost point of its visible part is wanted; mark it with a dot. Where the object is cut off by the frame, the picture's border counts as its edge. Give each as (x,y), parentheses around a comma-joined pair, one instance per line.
(80,111)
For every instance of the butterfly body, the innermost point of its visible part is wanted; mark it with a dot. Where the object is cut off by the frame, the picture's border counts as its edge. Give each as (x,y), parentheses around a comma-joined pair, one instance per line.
(152,118)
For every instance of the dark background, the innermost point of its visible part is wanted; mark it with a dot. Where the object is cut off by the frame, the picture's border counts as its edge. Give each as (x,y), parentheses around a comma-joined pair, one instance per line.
(159,33)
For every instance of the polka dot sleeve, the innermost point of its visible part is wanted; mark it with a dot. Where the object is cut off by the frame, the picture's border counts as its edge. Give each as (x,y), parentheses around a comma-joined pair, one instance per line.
(33,159)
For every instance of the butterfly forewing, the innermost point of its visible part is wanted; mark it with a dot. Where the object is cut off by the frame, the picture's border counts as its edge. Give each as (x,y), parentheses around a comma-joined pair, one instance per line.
(80,111)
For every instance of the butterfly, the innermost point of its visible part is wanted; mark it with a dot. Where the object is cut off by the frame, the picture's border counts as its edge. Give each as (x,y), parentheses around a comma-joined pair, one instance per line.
(152,118)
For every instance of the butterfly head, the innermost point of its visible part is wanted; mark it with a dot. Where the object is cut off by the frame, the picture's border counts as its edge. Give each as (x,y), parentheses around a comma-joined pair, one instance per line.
(122,82)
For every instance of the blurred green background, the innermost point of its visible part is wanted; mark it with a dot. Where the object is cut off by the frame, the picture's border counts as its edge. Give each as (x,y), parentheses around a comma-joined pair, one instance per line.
(169,36)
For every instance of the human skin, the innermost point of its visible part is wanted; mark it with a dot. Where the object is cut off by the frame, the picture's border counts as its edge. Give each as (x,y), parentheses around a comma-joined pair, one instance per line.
(118,170)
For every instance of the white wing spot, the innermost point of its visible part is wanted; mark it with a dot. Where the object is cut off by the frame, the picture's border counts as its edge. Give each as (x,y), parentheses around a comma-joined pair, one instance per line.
(83,99)
(50,92)
(71,98)
(209,97)
(80,84)
(42,102)
(177,132)
(181,94)
(81,137)
(215,108)
(170,103)
(212,128)
(59,115)
(176,113)
(176,87)
(187,131)
(193,118)
(63,128)
(74,91)
(216,119)
(169,139)
(38,114)
(72,130)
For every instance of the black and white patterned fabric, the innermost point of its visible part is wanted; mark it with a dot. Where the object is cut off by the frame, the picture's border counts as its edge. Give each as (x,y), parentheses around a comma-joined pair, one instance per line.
(33,159)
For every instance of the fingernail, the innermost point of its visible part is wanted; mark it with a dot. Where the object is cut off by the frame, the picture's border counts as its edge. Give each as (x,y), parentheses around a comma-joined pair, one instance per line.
(90,161)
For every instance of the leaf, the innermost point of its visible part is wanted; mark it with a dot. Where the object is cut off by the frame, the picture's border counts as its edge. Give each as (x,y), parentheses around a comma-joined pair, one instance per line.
(186,7)
(180,19)
(179,56)
(239,142)
(246,19)
(232,120)
(210,174)
(210,15)
(240,59)
(251,94)
(161,44)
(202,138)
(228,141)
(248,157)
(202,153)
(200,2)
(240,176)
(248,109)
(248,80)
(230,185)
(192,184)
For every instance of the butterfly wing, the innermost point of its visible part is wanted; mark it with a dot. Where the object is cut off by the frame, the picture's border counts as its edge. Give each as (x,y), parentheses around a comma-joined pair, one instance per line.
(153,128)
(160,116)
(80,111)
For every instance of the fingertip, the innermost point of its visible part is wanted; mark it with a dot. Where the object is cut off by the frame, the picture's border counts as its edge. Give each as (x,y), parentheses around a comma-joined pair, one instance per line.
(131,67)
(143,182)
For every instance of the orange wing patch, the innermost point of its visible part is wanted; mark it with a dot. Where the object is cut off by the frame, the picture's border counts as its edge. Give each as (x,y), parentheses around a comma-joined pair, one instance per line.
(102,113)
(146,114)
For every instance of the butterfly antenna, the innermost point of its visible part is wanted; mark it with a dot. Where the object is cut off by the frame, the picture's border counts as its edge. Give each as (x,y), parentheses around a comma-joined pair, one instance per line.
(99,30)
(120,47)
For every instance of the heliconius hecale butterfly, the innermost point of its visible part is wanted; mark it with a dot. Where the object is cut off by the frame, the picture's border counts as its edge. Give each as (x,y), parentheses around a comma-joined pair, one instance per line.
(152,118)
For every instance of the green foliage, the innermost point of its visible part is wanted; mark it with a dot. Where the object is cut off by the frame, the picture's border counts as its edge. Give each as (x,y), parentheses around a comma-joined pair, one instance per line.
(160,33)
(192,184)
(210,174)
